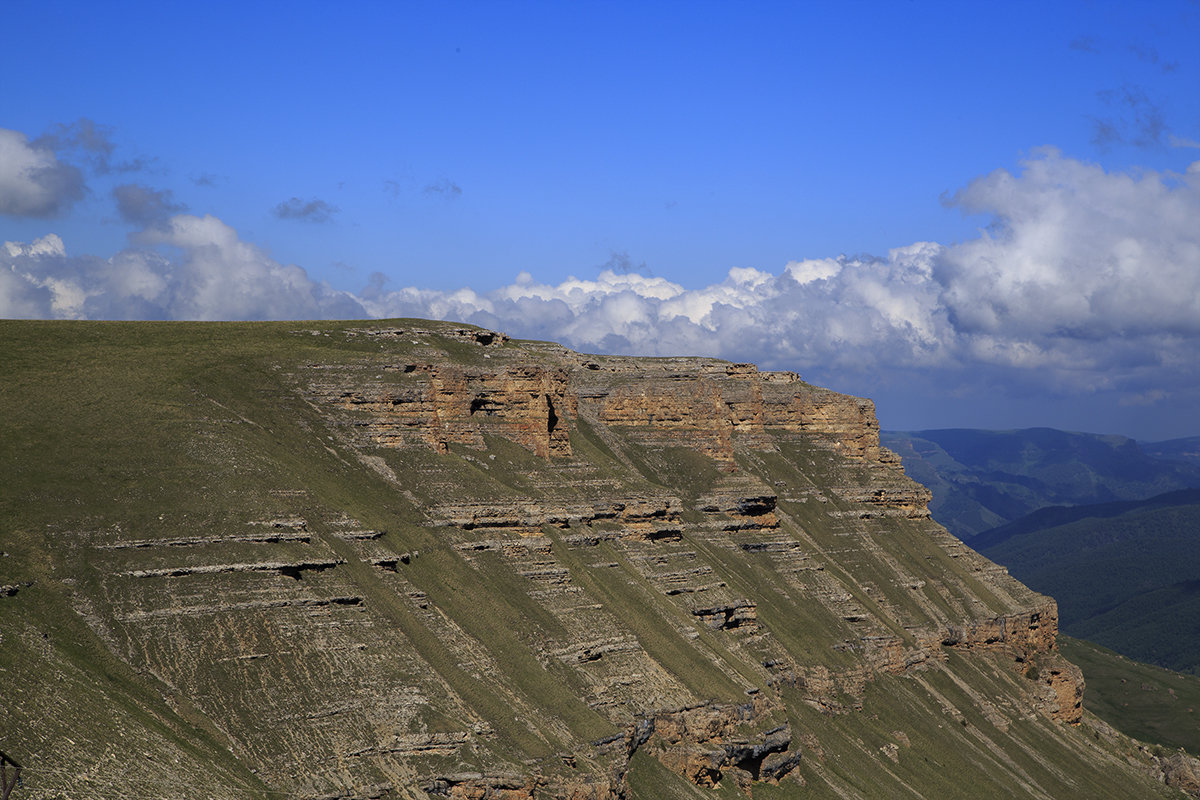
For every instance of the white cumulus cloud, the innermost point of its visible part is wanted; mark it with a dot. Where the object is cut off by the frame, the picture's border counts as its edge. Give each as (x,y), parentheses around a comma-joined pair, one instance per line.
(188,267)
(1086,280)
(1078,253)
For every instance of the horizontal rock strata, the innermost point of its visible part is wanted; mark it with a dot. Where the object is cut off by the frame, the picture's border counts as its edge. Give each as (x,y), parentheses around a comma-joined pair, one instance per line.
(409,559)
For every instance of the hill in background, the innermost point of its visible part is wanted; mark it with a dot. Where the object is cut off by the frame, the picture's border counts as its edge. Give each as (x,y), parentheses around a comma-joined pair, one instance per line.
(1186,450)
(1148,702)
(1126,575)
(982,479)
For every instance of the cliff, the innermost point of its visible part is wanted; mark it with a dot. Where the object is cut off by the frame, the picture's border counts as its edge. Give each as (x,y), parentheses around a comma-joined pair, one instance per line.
(414,559)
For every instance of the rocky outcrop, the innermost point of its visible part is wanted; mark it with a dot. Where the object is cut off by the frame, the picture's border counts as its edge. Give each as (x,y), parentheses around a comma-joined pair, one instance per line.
(469,335)
(846,423)
(11,589)
(1030,638)
(901,499)
(292,569)
(1064,700)
(1182,772)
(527,404)
(440,405)
(649,518)
(692,403)
(739,615)
(745,508)
(703,744)
(511,786)
(677,409)
(1026,633)
(699,406)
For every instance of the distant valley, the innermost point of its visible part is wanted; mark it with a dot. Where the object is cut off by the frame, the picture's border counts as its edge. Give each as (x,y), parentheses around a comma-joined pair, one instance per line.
(983,479)
(1126,575)
(1106,525)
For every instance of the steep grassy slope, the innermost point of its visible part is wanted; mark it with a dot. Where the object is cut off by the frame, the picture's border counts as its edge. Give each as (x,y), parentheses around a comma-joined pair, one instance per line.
(413,559)
(983,479)
(1126,575)
(1151,703)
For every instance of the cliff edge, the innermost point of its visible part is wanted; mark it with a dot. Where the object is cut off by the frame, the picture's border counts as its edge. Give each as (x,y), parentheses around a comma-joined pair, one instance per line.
(417,559)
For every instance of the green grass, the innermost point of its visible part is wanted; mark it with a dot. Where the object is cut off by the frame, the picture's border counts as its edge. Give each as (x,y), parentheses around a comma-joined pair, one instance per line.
(640,607)
(650,780)
(1149,703)
(183,686)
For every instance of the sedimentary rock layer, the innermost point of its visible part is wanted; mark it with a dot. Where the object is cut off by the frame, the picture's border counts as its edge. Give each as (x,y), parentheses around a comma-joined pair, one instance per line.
(416,560)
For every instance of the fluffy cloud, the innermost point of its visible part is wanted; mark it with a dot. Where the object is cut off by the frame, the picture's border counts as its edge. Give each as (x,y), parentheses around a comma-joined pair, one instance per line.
(1085,280)
(851,311)
(187,267)
(1079,258)
(33,182)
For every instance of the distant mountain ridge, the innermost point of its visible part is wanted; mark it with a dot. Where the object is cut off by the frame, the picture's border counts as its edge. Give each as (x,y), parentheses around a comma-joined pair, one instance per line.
(1055,516)
(983,479)
(1186,450)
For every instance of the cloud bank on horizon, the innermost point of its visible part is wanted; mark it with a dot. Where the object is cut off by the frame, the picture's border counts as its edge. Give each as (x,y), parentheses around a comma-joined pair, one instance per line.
(1085,281)
(637,178)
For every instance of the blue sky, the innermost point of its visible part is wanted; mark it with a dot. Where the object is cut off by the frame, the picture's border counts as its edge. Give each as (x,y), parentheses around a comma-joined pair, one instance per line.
(977,214)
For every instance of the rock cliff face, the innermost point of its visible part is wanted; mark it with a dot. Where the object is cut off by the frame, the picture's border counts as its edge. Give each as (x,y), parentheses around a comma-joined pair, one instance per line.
(423,560)
(697,404)
(444,405)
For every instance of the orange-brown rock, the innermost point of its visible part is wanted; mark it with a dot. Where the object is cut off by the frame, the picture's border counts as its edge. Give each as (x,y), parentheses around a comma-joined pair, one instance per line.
(1027,633)
(706,407)
(1182,772)
(740,511)
(1031,639)
(675,410)
(694,403)
(904,499)
(1065,681)
(704,743)
(440,405)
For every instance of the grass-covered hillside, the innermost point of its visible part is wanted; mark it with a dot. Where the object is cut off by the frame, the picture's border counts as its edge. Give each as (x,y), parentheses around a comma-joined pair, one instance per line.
(1150,703)
(409,559)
